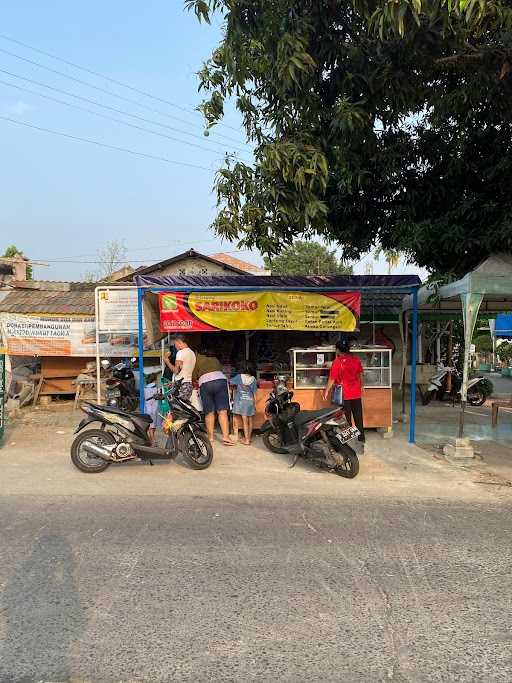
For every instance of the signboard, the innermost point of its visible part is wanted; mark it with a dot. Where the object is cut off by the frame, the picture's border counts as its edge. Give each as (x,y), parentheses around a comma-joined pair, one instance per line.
(30,335)
(259,310)
(117,310)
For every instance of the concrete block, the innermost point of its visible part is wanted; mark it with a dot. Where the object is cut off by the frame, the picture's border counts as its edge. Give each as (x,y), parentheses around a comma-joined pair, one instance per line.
(385,432)
(459,449)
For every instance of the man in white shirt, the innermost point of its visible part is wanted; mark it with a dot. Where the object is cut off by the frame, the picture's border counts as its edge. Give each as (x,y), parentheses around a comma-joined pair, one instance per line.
(183,366)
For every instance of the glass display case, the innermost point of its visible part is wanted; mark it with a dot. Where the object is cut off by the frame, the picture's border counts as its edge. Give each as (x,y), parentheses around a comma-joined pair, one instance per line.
(310,367)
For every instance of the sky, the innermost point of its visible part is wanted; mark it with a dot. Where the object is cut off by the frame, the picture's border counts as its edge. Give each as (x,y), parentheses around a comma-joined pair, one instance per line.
(63,199)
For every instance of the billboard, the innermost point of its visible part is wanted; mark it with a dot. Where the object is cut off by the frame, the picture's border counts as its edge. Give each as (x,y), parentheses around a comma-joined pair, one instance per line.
(259,310)
(31,335)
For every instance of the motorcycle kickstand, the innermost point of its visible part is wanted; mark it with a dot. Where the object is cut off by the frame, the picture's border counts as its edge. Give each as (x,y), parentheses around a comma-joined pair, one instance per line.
(294,461)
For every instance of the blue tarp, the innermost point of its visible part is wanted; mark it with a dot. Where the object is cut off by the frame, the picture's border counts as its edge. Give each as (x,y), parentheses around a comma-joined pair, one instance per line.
(504,325)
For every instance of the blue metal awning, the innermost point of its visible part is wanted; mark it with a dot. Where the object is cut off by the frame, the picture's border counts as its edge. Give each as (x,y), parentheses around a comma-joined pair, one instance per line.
(504,325)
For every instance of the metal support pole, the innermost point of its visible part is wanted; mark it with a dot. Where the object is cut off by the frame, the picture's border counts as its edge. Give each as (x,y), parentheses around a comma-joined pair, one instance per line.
(414,348)
(140,339)
(404,331)
(97,332)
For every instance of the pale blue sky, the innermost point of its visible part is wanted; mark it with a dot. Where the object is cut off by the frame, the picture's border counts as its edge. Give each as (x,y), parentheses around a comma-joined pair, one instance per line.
(62,200)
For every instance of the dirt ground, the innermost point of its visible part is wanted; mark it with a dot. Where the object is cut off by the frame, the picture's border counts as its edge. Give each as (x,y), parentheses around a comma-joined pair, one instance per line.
(35,459)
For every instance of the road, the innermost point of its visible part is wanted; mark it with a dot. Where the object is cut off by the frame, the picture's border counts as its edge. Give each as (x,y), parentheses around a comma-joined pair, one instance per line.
(400,575)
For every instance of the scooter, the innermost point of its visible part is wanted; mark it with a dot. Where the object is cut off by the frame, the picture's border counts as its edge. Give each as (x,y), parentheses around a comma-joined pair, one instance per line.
(437,386)
(320,436)
(125,436)
(120,390)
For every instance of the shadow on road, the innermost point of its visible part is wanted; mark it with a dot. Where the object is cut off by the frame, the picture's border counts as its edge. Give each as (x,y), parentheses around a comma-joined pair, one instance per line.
(43,615)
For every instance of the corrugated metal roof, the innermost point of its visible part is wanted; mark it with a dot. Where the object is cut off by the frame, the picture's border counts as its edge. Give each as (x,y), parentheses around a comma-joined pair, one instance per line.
(238,263)
(75,302)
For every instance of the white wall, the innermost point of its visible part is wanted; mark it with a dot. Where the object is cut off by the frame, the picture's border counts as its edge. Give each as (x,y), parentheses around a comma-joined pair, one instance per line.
(193,266)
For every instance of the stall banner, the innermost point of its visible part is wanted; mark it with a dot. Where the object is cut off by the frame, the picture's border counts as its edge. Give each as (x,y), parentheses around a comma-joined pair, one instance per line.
(30,335)
(259,310)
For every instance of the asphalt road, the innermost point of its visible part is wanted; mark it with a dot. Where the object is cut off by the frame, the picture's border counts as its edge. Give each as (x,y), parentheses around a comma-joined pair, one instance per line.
(267,588)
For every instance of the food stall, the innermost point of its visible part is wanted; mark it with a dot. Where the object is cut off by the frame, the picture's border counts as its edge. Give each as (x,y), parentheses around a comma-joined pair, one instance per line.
(284,325)
(310,371)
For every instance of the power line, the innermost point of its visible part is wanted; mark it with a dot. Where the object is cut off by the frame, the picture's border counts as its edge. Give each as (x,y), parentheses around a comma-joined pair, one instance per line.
(108,78)
(107,107)
(103,90)
(108,118)
(102,144)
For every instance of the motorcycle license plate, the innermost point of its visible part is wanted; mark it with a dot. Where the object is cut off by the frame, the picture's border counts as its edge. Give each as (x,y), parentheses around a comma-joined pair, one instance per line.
(348,433)
(114,393)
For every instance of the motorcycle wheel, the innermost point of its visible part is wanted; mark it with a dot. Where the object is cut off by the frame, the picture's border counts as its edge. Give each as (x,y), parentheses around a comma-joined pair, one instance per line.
(198,458)
(272,442)
(476,398)
(350,467)
(84,461)
(427,397)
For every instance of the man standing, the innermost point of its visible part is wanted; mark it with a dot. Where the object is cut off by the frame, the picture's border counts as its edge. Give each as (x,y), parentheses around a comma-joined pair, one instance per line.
(183,366)
(346,372)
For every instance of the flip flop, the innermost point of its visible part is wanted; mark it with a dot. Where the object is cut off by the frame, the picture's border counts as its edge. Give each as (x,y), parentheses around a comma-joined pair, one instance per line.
(227,443)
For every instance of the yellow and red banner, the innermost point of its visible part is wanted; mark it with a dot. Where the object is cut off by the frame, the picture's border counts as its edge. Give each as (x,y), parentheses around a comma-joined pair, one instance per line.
(259,310)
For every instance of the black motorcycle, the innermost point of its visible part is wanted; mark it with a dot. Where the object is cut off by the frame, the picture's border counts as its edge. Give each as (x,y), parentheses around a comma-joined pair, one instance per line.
(124,436)
(320,436)
(120,390)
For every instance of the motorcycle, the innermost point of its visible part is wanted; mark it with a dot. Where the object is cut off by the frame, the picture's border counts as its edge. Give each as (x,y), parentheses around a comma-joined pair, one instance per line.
(320,436)
(125,436)
(120,390)
(437,386)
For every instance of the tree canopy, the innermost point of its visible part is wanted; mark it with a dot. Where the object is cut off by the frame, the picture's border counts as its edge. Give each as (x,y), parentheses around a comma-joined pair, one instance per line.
(12,251)
(306,258)
(372,122)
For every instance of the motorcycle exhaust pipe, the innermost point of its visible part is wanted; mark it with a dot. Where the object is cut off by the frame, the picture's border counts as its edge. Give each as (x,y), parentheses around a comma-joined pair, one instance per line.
(99,451)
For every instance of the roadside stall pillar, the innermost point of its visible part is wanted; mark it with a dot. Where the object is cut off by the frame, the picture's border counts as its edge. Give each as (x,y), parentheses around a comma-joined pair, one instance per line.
(140,340)
(470,307)
(414,357)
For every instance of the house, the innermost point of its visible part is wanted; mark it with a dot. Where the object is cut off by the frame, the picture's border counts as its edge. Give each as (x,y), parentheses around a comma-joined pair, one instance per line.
(13,269)
(192,262)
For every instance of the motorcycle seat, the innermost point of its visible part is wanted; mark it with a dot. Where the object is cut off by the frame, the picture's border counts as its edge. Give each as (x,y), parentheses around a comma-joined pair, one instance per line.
(118,411)
(308,415)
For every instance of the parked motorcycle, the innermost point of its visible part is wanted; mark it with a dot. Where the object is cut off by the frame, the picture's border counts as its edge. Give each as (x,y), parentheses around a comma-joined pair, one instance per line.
(120,390)
(124,436)
(320,436)
(438,387)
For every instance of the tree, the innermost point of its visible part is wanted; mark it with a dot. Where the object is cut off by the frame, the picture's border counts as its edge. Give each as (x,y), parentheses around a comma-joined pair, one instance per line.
(504,352)
(373,123)
(110,258)
(392,257)
(307,258)
(12,251)
(483,343)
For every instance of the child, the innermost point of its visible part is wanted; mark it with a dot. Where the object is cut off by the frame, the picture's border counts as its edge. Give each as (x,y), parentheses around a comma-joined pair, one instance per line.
(244,404)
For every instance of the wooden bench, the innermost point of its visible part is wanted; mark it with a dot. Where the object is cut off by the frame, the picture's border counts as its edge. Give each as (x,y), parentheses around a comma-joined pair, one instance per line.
(495,406)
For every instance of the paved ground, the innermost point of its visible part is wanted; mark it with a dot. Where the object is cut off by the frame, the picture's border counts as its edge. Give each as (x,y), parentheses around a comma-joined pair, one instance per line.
(502,385)
(250,571)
